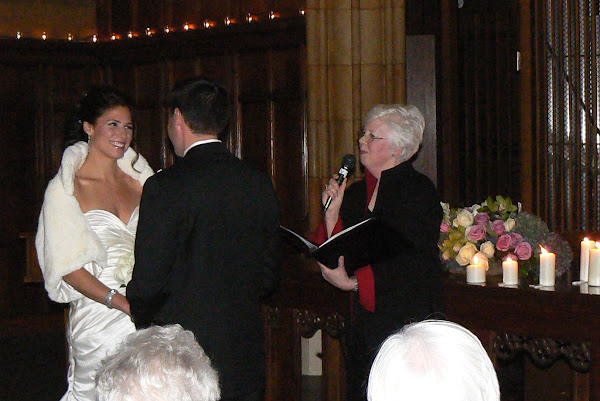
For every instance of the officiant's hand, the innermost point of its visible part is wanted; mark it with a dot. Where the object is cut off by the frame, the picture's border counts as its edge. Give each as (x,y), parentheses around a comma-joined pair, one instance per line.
(338,277)
(336,192)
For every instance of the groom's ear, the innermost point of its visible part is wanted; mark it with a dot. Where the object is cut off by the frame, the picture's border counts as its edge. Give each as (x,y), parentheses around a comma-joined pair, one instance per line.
(178,117)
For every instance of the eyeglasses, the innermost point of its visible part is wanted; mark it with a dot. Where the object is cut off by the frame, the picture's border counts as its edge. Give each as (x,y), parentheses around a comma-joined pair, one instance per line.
(368,136)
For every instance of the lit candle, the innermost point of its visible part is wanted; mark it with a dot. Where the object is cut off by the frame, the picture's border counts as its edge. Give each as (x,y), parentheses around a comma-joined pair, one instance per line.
(547,272)
(594,270)
(475,272)
(510,271)
(584,260)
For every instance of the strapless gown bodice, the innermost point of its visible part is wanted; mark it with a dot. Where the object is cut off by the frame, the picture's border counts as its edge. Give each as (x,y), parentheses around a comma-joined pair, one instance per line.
(94,330)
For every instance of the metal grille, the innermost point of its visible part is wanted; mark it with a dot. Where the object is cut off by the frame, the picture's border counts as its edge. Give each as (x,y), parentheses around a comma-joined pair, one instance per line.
(571,54)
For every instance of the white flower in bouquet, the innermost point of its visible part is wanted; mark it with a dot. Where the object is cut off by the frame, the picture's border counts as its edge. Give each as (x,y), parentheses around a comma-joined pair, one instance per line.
(466,254)
(124,268)
(509,224)
(464,219)
(488,248)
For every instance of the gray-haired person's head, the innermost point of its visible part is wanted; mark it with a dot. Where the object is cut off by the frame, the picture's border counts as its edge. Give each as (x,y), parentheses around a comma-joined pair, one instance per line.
(405,125)
(430,361)
(160,363)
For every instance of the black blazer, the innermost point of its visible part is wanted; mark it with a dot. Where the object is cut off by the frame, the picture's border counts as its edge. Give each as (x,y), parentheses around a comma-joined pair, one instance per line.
(407,287)
(207,249)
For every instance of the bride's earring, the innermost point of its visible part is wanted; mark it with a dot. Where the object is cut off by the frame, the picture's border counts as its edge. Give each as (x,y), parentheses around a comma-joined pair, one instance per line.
(393,155)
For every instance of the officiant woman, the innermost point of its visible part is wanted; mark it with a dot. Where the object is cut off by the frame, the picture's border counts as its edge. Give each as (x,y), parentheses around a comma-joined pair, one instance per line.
(407,287)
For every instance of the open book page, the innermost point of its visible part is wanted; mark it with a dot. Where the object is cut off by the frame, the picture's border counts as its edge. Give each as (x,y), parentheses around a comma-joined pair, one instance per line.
(310,247)
(345,230)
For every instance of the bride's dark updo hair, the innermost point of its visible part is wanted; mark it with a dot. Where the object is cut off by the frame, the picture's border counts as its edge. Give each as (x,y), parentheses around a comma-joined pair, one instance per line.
(92,105)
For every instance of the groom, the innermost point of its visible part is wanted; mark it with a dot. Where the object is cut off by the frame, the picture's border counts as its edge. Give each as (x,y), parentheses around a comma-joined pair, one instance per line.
(207,245)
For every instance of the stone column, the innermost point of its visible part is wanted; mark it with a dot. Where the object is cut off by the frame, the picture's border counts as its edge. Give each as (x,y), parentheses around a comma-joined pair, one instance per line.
(356,59)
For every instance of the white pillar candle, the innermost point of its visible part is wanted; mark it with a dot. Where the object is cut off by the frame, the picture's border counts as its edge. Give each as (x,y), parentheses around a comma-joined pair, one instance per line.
(510,271)
(547,269)
(475,272)
(594,271)
(584,260)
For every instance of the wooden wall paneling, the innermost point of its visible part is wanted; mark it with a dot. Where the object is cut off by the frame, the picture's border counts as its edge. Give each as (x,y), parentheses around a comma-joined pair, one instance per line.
(422,17)
(256,134)
(255,108)
(149,14)
(17,165)
(261,7)
(282,343)
(447,75)
(488,89)
(120,18)
(186,11)
(216,11)
(290,159)
(288,6)
(150,127)
(527,108)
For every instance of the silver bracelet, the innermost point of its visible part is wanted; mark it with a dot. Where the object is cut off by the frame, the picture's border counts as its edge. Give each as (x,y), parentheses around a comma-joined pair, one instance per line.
(109,298)
(353,278)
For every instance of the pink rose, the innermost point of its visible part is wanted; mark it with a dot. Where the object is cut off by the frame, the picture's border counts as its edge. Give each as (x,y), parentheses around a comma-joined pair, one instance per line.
(523,250)
(515,239)
(476,233)
(503,243)
(482,218)
(497,226)
(445,227)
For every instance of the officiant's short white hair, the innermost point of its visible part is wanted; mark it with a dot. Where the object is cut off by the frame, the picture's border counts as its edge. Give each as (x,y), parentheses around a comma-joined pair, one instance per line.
(430,361)
(405,125)
(160,363)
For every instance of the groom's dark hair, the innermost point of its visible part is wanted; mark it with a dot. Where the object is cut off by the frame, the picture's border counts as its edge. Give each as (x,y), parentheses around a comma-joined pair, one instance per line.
(203,103)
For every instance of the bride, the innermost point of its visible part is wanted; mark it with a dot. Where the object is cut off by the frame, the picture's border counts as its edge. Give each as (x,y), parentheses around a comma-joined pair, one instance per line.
(87,227)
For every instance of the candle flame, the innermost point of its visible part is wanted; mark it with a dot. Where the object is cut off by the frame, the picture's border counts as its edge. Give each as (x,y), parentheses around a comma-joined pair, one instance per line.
(543,250)
(509,259)
(475,260)
(586,239)
(597,244)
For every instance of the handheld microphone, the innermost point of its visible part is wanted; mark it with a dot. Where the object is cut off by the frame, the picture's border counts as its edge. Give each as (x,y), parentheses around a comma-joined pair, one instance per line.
(348,164)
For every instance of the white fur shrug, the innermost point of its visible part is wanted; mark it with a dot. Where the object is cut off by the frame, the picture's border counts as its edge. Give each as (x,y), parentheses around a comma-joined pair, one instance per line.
(65,241)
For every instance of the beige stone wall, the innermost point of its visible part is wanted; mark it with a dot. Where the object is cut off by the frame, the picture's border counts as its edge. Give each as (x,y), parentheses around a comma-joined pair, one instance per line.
(356,59)
(57,18)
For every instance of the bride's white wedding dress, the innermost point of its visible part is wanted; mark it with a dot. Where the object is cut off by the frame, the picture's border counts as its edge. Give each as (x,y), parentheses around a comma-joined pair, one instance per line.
(93,330)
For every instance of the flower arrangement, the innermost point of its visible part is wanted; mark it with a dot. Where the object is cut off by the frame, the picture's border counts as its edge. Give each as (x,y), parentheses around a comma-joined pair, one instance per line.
(497,229)
(124,268)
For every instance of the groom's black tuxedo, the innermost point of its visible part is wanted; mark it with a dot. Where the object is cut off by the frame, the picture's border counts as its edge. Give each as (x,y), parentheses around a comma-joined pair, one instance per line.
(207,248)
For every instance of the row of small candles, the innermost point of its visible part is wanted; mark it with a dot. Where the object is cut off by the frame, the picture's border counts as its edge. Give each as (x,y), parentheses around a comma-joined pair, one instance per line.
(186,27)
(476,271)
